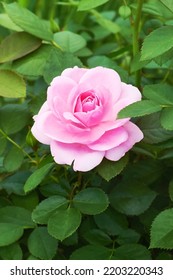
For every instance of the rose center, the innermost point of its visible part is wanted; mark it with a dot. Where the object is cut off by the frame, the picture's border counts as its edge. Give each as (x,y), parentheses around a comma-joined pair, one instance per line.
(87,101)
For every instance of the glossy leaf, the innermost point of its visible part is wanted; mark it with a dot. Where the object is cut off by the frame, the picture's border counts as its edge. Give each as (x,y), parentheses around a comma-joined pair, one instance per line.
(6,22)
(91,252)
(69,41)
(17,216)
(132,252)
(161,37)
(71,218)
(16,88)
(10,233)
(166,118)
(162,230)
(41,244)
(47,207)
(17,45)
(13,117)
(91,201)
(28,21)
(11,252)
(168,4)
(131,198)
(159,93)
(85,5)
(110,169)
(139,108)
(13,159)
(36,178)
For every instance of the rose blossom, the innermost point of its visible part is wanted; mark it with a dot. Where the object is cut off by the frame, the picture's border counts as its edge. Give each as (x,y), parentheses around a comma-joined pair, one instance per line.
(79,119)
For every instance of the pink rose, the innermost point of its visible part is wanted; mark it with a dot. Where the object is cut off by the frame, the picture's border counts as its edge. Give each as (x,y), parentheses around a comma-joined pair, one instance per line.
(79,119)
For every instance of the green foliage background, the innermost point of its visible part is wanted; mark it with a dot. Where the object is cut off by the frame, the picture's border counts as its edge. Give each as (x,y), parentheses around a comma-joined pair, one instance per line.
(119,210)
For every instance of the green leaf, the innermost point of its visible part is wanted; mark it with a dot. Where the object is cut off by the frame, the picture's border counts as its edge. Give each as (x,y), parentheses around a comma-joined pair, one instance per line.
(29,201)
(111,221)
(132,252)
(16,215)
(69,41)
(168,4)
(13,117)
(171,189)
(131,198)
(91,201)
(166,118)
(161,37)
(91,252)
(15,182)
(85,5)
(13,159)
(37,177)
(6,22)
(97,237)
(152,129)
(48,206)
(3,142)
(57,62)
(16,88)
(11,252)
(105,23)
(17,45)
(159,93)
(110,169)
(139,108)
(33,64)
(41,244)
(128,236)
(10,233)
(28,21)
(162,230)
(64,223)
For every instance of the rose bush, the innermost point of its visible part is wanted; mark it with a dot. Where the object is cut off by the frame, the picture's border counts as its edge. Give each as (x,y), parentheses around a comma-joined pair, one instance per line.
(79,118)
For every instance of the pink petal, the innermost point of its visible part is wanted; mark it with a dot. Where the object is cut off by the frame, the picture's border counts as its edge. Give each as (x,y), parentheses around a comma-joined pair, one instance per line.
(67,132)
(90,118)
(37,129)
(58,93)
(110,139)
(134,135)
(129,95)
(75,73)
(103,77)
(81,156)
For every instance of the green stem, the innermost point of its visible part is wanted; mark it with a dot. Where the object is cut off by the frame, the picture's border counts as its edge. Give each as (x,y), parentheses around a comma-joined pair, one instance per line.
(136,30)
(15,144)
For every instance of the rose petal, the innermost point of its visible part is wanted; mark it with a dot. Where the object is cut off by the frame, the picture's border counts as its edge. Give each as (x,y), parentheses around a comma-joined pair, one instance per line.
(74,73)
(134,135)
(67,132)
(81,156)
(103,77)
(110,139)
(58,93)
(37,129)
(129,95)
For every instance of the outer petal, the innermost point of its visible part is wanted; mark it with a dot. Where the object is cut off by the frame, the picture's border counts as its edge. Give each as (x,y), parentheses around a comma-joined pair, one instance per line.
(58,93)
(37,127)
(134,135)
(110,139)
(75,73)
(67,132)
(129,95)
(103,77)
(81,156)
